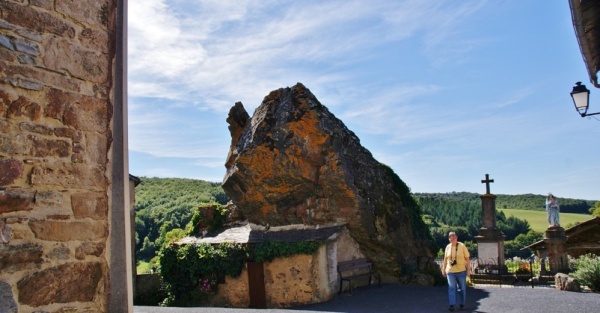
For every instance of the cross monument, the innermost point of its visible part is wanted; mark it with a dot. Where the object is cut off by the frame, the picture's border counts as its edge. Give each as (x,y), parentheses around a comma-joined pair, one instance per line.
(490,241)
(487,182)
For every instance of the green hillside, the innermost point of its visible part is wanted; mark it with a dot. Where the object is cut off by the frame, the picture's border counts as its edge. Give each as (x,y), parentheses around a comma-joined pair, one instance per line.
(521,202)
(163,204)
(538,219)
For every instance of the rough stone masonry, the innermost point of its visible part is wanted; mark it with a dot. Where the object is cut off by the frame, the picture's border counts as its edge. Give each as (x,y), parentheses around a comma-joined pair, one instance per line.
(295,162)
(57,69)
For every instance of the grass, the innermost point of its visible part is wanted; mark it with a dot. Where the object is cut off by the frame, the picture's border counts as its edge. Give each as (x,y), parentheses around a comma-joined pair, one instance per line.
(143,267)
(538,220)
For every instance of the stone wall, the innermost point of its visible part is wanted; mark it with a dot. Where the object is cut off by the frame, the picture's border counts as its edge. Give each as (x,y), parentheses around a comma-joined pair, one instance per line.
(296,280)
(289,281)
(56,112)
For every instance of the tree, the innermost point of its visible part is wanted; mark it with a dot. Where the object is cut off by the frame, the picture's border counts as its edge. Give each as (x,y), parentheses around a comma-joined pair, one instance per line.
(595,210)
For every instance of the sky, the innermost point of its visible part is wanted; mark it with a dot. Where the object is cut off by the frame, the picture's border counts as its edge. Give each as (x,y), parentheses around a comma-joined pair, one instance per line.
(442,91)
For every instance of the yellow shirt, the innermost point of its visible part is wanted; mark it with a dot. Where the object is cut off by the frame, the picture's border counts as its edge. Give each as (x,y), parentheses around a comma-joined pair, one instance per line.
(460,253)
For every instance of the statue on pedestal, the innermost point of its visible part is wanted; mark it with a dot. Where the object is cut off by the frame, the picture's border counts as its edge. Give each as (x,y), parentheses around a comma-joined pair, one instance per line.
(552,209)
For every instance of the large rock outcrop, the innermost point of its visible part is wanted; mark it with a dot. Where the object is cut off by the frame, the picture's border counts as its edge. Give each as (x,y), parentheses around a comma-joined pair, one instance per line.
(295,162)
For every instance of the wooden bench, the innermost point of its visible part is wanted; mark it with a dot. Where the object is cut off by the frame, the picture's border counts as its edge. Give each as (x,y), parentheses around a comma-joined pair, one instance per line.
(358,268)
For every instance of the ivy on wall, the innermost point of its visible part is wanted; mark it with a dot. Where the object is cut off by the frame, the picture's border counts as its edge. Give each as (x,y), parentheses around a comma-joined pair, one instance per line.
(191,271)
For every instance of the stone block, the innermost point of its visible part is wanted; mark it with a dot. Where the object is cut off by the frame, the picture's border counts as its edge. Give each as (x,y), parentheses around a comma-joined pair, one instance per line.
(29,35)
(23,107)
(60,253)
(82,113)
(566,283)
(13,200)
(6,43)
(14,145)
(94,39)
(5,232)
(44,148)
(48,5)
(90,12)
(68,230)
(5,55)
(26,59)
(63,56)
(39,21)
(7,300)
(10,170)
(27,47)
(75,135)
(18,257)
(92,205)
(35,128)
(71,282)
(89,248)
(96,148)
(47,77)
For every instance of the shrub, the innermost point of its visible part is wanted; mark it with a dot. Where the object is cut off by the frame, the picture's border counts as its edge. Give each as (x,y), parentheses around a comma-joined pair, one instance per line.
(587,271)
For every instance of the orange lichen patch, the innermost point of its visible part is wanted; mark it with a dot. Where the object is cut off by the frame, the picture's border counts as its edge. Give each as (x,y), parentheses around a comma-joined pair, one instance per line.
(266,209)
(308,131)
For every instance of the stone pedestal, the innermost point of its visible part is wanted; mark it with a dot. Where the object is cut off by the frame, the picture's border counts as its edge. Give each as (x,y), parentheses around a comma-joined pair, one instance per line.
(556,248)
(490,242)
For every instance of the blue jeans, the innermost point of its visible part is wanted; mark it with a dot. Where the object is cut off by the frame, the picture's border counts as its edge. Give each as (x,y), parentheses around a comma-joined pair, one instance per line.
(457,287)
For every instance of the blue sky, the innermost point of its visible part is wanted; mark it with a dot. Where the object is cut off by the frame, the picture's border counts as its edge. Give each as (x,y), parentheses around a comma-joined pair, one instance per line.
(442,91)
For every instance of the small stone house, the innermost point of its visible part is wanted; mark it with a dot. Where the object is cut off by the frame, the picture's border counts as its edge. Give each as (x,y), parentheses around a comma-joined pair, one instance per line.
(582,238)
(287,281)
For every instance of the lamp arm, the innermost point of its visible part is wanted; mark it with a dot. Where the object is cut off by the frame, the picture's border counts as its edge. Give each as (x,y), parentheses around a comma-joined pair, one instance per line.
(588,114)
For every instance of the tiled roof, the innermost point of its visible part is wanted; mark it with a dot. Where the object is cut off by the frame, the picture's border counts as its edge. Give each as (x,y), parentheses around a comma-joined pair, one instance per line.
(251,233)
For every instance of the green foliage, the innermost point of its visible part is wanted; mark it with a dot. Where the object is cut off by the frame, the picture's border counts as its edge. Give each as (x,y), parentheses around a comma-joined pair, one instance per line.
(214,222)
(173,235)
(471,247)
(466,215)
(512,248)
(461,212)
(595,210)
(587,271)
(538,203)
(511,226)
(419,227)
(522,202)
(453,211)
(184,269)
(164,204)
(268,251)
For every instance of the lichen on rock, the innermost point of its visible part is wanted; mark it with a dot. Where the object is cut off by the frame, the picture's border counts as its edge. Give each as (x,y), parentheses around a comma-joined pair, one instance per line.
(294,162)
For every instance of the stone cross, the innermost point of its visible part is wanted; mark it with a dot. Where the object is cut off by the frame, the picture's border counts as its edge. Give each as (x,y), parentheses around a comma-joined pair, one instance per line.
(487,182)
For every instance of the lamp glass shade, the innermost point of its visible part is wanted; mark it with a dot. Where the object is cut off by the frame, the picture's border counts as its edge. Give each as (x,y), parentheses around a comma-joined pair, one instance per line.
(581,98)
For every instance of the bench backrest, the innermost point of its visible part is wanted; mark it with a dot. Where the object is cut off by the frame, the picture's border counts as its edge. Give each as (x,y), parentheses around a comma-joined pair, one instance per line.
(356,264)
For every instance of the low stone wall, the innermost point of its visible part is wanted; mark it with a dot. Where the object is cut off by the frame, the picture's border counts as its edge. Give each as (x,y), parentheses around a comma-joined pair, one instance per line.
(296,280)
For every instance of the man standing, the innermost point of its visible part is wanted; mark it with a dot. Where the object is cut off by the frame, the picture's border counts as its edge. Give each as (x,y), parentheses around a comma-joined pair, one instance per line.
(456,268)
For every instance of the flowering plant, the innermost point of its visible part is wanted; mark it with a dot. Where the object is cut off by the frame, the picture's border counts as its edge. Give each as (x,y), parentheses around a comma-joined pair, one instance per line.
(205,285)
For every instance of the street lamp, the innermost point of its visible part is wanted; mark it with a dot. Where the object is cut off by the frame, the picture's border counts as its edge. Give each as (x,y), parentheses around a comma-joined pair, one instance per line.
(581,99)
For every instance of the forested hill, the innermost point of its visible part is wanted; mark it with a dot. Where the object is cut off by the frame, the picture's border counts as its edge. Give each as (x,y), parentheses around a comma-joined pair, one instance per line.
(163,204)
(523,202)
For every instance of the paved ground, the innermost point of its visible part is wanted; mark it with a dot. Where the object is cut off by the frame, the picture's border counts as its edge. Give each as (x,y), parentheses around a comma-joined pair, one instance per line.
(402,298)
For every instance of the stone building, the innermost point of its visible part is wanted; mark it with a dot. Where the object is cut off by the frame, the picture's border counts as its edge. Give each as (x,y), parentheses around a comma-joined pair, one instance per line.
(64,217)
(287,281)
